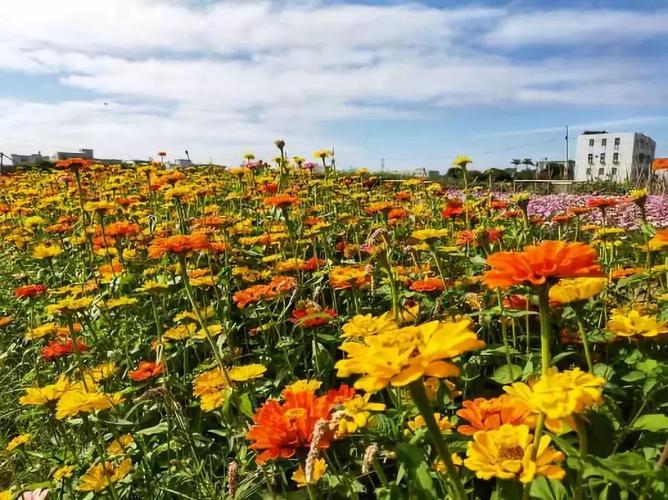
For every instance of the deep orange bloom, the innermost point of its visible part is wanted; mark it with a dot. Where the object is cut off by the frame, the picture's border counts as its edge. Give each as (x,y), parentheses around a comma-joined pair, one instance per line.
(30,290)
(602,202)
(72,163)
(281,200)
(489,414)
(58,349)
(428,285)
(536,263)
(311,317)
(123,229)
(146,370)
(282,428)
(179,244)
(277,286)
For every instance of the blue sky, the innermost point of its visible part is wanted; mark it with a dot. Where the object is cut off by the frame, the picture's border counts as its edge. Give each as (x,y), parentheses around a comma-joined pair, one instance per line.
(415,83)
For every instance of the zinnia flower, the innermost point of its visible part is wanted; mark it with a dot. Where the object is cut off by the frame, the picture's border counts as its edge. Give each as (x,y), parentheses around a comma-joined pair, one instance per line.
(630,323)
(401,356)
(319,469)
(100,476)
(178,244)
(505,453)
(536,264)
(29,291)
(576,289)
(490,414)
(146,370)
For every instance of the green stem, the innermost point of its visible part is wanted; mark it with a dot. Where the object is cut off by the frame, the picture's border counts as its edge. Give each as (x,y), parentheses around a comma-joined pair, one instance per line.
(545,329)
(585,342)
(419,396)
(582,440)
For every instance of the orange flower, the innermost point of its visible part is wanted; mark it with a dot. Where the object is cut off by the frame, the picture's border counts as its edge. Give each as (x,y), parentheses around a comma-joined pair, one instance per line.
(281,200)
(277,286)
(123,229)
(29,290)
(602,203)
(281,428)
(178,244)
(428,285)
(536,263)
(489,414)
(146,370)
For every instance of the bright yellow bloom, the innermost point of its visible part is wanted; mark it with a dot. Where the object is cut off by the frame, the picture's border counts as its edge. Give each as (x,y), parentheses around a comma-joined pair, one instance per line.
(659,241)
(629,323)
(99,476)
(319,469)
(505,453)
(68,305)
(576,289)
(79,400)
(118,302)
(41,331)
(6,495)
(560,395)
(41,252)
(441,420)
(246,372)
(210,387)
(401,356)
(302,386)
(429,234)
(102,372)
(462,161)
(19,440)
(214,330)
(63,472)
(366,325)
(355,414)
(180,332)
(119,446)
(45,395)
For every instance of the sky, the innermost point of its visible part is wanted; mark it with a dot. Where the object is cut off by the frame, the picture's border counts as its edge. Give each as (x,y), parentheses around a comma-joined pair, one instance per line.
(413,83)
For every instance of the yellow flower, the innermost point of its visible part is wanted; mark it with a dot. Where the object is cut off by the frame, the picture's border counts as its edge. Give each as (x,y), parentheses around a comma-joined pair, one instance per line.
(210,387)
(576,289)
(101,372)
(68,305)
(63,472)
(41,331)
(246,372)
(505,453)
(560,395)
(441,420)
(628,323)
(19,440)
(659,241)
(401,356)
(462,161)
(119,446)
(99,476)
(6,495)
(355,414)
(46,251)
(302,386)
(429,234)
(319,469)
(76,401)
(214,330)
(366,325)
(118,302)
(180,332)
(153,287)
(45,395)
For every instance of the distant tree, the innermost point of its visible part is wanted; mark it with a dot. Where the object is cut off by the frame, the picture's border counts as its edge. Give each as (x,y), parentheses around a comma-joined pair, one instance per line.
(498,175)
(454,173)
(525,175)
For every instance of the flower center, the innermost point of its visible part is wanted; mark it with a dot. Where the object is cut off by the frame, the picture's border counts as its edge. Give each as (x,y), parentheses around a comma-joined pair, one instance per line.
(511,452)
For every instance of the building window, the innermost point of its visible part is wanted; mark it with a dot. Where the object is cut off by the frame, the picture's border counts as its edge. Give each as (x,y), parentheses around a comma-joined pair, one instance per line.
(613,171)
(617,140)
(589,171)
(615,158)
(601,171)
(590,158)
(603,158)
(604,142)
(591,143)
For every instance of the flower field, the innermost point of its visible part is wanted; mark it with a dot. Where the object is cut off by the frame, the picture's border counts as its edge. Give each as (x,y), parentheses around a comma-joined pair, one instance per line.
(264,331)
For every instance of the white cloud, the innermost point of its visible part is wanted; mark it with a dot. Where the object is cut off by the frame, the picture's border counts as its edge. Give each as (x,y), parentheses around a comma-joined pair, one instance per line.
(231,75)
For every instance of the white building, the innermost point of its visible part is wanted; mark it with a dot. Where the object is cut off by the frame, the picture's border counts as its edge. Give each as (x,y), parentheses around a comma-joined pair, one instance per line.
(31,159)
(613,156)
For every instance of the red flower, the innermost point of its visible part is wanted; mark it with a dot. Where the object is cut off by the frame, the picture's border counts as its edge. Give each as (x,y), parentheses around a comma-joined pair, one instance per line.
(57,349)
(428,285)
(311,317)
(123,229)
(146,370)
(28,291)
(602,203)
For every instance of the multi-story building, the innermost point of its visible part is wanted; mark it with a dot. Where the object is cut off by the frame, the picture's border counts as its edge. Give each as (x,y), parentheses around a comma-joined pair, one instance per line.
(31,159)
(618,157)
(66,155)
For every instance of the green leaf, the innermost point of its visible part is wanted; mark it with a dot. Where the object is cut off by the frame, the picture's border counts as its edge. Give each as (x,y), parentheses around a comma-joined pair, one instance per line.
(548,489)
(245,405)
(654,422)
(156,429)
(507,374)
(633,376)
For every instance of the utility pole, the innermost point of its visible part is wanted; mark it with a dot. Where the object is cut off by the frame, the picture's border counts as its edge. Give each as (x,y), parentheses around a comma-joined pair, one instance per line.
(382,164)
(567,164)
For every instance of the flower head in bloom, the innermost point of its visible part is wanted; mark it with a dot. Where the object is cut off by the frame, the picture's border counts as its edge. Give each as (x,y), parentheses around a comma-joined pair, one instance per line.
(428,285)
(536,264)
(100,476)
(80,400)
(571,290)
(178,244)
(355,413)
(559,395)
(146,370)
(341,278)
(489,414)
(277,286)
(211,387)
(401,356)
(63,472)
(462,161)
(367,325)
(281,201)
(309,314)
(46,251)
(45,395)
(441,420)
(631,323)
(59,348)
(69,305)
(659,241)
(282,427)
(243,373)
(19,440)
(119,446)
(29,291)
(319,469)
(506,453)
